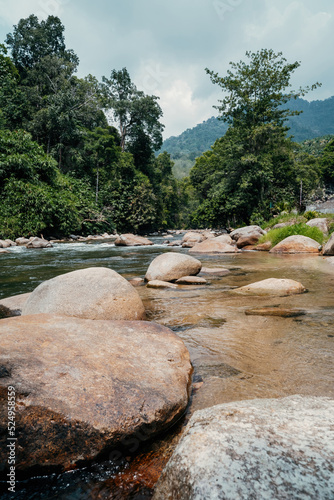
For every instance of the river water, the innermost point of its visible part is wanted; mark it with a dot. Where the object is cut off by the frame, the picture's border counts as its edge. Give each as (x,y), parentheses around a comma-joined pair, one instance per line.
(235,356)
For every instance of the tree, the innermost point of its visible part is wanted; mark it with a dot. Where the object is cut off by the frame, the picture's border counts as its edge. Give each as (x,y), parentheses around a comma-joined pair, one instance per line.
(256,91)
(253,167)
(327,163)
(31,41)
(136,114)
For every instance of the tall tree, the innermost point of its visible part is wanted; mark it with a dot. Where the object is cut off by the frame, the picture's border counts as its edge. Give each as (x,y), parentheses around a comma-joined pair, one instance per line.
(137,115)
(32,40)
(253,167)
(256,92)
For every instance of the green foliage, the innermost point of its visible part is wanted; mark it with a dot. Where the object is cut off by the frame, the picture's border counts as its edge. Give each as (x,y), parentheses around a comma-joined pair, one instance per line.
(277,235)
(22,158)
(137,115)
(254,166)
(256,91)
(327,163)
(311,214)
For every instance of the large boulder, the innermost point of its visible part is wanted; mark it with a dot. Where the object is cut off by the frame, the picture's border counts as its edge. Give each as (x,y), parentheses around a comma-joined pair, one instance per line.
(22,241)
(221,244)
(319,222)
(191,238)
(329,247)
(259,449)
(84,387)
(38,243)
(272,286)
(247,231)
(5,244)
(93,293)
(131,240)
(296,243)
(171,266)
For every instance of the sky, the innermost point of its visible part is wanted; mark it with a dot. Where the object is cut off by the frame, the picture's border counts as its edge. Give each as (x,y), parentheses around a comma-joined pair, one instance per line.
(167,44)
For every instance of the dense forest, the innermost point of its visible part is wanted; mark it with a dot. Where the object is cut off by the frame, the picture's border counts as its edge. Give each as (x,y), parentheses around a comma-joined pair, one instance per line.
(315,121)
(64,168)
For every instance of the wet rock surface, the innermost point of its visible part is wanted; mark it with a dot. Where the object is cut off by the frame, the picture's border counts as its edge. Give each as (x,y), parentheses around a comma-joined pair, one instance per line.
(261,449)
(92,293)
(132,240)
(272,286)
(83,387)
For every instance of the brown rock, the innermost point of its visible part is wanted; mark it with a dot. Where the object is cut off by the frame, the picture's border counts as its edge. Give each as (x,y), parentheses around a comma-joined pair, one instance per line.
(2,250)
(160,284)
(247,231)
(216,271)
(21,241)
(132,240)
(296,244)
(136,281)
(263,247)
(320,222)
(214,245)
(192,237)
(14,304)
(329,247)
(38,243)
(272,286)
(191,280)
(247,240)
(275,311)
(4,244)
(93,293)
(83,387)
(172,266)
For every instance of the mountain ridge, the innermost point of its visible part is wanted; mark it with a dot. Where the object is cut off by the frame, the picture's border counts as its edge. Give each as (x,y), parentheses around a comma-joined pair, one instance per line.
(316,120)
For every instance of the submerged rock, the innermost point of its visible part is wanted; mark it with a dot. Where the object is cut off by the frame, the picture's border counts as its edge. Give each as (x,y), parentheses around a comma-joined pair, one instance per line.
(296,243)
(215,271)
(132,240)
(272,286)
(84,387)
(261,449)
(191,280)
(93,293)
(160,284)
(275,311)
(172,266)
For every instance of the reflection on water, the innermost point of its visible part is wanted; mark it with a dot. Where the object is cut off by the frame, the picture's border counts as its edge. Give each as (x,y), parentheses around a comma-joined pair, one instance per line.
(235,356)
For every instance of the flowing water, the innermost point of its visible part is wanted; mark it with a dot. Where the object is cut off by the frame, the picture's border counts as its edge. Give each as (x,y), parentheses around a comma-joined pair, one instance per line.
(235,356)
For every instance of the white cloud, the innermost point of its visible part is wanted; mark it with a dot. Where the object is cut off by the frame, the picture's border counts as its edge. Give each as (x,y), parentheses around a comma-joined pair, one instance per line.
(166,45)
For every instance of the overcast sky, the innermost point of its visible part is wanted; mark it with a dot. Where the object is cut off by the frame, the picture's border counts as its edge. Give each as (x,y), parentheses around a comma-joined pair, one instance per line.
(167,44)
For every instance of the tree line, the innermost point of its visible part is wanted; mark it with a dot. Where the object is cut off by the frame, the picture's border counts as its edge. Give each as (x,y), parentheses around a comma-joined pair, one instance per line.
(65,169)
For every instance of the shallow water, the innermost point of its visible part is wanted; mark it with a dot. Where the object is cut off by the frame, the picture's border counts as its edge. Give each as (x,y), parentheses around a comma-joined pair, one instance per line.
(235,356)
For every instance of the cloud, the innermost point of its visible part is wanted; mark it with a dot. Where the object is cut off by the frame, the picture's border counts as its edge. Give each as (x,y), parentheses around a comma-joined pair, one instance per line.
(166,45)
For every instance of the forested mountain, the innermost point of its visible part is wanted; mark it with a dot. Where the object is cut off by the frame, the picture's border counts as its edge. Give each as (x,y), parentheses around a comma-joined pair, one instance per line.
(316,120)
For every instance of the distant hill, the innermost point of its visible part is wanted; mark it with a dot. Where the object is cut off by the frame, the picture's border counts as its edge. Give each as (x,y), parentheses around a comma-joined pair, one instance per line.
(317,120)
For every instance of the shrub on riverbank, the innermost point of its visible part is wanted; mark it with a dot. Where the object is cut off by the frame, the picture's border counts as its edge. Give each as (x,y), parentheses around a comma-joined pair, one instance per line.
(279,234)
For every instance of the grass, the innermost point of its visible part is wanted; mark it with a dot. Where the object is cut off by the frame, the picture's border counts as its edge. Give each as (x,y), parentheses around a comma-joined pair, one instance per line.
(277,235)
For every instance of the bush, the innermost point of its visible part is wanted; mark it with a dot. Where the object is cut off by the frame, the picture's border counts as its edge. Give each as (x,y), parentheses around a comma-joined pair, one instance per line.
(277,235)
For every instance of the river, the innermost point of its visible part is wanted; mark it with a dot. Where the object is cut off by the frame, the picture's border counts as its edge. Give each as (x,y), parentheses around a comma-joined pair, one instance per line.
(235,356)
